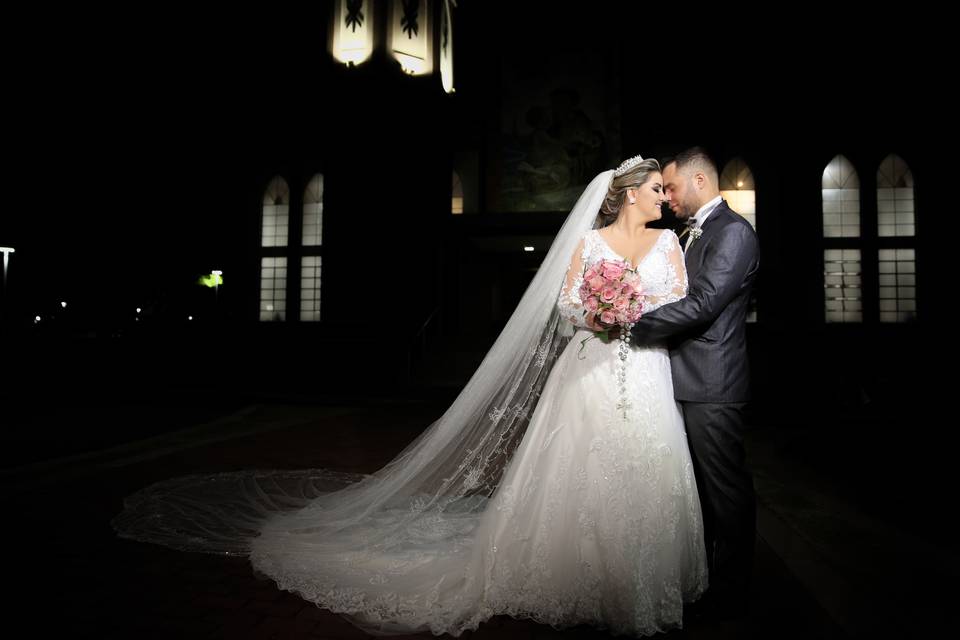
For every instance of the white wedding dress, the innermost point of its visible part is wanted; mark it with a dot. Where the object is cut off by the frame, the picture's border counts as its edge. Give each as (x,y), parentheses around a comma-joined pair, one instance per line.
(596,519)
(557,486)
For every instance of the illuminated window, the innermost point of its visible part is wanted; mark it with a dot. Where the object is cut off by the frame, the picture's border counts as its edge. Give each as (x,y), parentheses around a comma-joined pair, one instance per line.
(842,285)
(310,288)
(276,214)
(898,285)
(312,237)
(276,254)
(274,231)
(841,200)
(842,257)
(273,288)
(894,199)
(737,188)
(896,233)
(313,212)
(456,206)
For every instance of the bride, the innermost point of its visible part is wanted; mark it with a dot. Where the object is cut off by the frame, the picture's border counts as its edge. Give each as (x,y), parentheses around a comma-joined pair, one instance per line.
(558,486)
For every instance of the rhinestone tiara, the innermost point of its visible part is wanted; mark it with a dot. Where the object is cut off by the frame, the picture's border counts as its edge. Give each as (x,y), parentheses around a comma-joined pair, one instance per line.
(627,164)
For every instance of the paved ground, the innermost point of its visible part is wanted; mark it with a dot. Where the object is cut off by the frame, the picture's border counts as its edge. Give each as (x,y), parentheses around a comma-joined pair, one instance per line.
(824,568)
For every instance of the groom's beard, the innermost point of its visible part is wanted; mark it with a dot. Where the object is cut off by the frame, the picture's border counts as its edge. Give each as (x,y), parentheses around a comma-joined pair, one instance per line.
(683,211)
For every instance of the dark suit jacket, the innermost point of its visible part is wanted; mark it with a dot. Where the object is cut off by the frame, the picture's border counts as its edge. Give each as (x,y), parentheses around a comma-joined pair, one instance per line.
(706,330)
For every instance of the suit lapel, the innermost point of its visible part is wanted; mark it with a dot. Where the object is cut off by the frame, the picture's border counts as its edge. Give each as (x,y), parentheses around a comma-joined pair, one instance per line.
(693,250)
(720,209)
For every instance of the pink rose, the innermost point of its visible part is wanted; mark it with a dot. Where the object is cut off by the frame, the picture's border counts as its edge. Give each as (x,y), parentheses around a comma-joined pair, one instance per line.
(612,270)
(621,304)
(608,317)
(608,294)
(590,274)
(596,284)
(626,291)
(591,304)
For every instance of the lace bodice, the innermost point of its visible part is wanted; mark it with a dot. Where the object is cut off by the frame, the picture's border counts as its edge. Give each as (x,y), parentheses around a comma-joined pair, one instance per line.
(662,273)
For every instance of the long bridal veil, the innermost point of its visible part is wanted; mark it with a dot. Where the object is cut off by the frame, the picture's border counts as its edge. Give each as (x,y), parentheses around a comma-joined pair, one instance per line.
(446,474)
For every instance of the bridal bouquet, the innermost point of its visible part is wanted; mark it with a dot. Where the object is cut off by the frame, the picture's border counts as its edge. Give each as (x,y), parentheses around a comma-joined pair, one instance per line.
(612,293)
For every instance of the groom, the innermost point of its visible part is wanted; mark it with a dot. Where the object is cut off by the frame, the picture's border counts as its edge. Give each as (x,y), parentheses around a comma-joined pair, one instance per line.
(708,355)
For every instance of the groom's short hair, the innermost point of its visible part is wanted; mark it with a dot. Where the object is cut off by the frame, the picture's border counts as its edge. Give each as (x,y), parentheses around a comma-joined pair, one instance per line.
(695,159)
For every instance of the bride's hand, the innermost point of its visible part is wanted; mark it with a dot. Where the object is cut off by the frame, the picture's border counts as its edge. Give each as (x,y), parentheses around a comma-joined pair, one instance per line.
(612,332)
(593,324)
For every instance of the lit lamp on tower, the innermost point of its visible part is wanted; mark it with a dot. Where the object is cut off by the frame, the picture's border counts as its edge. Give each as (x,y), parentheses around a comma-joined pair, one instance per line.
(409,36)
(352,40)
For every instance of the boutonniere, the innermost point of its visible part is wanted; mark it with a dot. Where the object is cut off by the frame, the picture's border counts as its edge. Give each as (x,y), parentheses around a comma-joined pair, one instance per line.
(694,231)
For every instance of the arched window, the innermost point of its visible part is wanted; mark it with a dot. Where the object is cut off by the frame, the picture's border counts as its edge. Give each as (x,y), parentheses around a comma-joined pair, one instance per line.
(313,212)
(840,189)
(738,189)
(841,200)
(456,205)
(275,219)
(274,232)
(894,199)
(896,233)
(311,260)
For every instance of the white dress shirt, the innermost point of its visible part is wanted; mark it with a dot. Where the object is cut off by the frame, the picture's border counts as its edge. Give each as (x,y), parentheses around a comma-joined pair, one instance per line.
(701,216)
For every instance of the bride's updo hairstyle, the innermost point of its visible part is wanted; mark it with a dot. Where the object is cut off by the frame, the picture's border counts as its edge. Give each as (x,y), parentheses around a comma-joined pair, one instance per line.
(631,174)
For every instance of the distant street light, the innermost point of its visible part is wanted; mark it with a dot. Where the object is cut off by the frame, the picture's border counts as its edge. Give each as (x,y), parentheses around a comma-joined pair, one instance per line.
(3,294)
(6,261)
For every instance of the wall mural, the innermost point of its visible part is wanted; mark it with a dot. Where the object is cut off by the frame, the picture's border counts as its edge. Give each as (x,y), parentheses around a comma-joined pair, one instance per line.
(557,130)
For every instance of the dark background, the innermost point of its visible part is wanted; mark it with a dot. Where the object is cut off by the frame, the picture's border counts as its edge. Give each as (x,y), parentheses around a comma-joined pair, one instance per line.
(139,144)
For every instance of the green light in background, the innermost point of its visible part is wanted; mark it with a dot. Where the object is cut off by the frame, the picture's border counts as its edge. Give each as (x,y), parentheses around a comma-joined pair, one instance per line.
(210,280)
